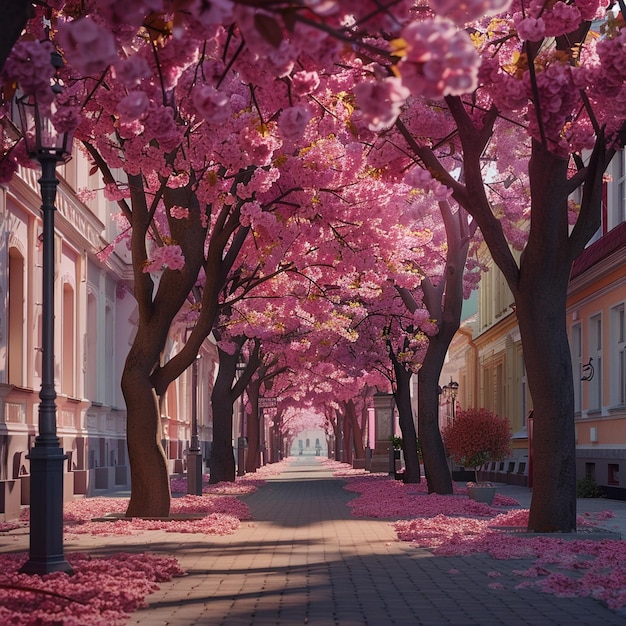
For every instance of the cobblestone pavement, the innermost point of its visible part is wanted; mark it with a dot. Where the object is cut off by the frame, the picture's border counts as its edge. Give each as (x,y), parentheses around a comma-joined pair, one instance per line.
(305,560)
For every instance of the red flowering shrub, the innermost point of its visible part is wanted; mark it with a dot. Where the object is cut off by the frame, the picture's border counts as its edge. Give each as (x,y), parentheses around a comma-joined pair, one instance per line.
(477,436)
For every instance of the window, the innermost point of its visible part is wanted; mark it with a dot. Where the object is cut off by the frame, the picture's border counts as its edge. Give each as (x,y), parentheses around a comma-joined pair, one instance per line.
(618,355)
(613,478)
(109,357)
(68,338)
(590,470)
(500,390)
(595,353)
(616,191)
(16,319)
(90,364)
(576,352)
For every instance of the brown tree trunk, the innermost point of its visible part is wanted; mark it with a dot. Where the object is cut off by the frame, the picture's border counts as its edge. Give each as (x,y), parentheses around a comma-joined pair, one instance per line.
(436,468)
(222,461)
(412,473)
(254,431)
(444,302)
(549,374)
(355,429)
(150,495)
(347,438)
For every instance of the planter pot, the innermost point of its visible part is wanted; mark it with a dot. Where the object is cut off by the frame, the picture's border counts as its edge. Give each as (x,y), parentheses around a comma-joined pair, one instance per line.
(482,494)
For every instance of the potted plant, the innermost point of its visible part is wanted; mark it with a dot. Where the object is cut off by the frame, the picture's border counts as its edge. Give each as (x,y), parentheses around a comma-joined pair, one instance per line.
(396,449)
(396,442)
(475,437)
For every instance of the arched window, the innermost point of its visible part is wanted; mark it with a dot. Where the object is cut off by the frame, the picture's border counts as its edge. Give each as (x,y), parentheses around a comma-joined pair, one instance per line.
(68,335)
(109,356)
(16,321)
(91,350)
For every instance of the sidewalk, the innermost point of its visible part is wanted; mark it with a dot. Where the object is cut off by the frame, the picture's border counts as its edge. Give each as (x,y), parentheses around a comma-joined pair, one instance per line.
(305,560)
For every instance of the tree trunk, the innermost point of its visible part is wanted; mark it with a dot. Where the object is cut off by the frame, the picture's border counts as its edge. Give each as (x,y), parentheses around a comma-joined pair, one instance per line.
(150,494)
(254,431)
(412,472)
(355,429)
(444,302)
(436,467)
(549,373)
(347,437)
(222,461)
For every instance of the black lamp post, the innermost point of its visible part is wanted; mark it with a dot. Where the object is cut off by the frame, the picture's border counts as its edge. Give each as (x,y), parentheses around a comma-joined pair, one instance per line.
(241,441)
(453,389)
(49,147)
(194,454)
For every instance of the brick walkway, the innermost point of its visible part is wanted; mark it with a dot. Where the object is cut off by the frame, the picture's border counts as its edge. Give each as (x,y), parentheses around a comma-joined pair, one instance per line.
(305,560)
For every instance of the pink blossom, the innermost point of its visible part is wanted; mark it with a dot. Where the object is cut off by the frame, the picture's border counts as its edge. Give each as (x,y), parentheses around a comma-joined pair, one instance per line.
(293,122)
(590,9)
(101,592)
(477,436)
(213,105)
(132,71)
(170,257)
(561,19)
(133,106)
(215,12)
(179,212)
(8,167)
(123,12)
(420,316)
(89,47)
(303,83)
(381,101)
(469,10)
(495,586)
(440,60)
(531,29)
(29,65)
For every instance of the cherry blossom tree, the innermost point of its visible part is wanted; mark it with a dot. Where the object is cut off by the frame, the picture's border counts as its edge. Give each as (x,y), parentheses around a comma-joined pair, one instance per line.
(548,115)
(196,131)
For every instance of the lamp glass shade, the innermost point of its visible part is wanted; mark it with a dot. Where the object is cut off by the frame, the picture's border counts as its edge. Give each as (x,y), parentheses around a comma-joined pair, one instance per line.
(10,134)
(41,137)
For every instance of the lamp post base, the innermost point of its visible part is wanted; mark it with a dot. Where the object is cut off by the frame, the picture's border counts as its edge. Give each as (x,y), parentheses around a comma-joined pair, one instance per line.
(46,512)
(194,472)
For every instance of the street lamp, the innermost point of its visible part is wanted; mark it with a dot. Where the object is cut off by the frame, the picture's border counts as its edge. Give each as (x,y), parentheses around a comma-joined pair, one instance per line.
(194,454)
(50,147)
(241,441)
(453,390)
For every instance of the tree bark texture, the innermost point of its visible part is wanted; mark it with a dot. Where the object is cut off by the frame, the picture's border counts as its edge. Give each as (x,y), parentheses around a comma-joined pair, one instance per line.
(355,429)
(222,461)
(253,459)
(150,494)
(412,473)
